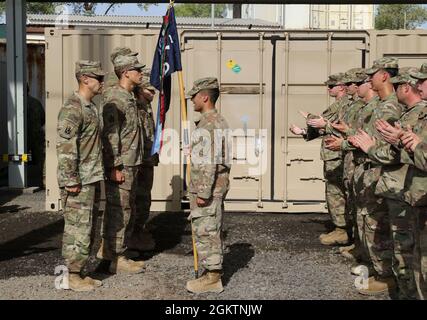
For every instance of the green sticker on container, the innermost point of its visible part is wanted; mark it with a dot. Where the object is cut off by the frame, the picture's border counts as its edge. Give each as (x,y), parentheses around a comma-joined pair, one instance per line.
(236,68)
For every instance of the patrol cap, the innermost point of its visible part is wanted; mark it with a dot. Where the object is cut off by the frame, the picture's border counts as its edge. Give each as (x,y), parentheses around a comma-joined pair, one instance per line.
(336,79)
(383,63)
(203,84)
(122,51)
(355,75)
(404,76)
(421,73)
(91,68)
(127,62)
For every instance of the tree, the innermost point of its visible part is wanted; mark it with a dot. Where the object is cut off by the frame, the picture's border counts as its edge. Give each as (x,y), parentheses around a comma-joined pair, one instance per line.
(199,10)
(400,16)
(87,8)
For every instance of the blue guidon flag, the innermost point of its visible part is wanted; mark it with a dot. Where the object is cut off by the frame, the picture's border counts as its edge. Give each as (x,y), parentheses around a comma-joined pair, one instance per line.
(167,60)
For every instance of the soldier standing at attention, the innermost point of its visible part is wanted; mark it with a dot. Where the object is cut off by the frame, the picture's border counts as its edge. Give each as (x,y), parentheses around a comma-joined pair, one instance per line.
(80,171)
(122,151)
(209,183)
(141,238)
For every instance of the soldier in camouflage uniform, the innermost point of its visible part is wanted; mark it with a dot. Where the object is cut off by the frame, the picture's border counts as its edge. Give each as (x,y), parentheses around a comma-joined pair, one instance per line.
(414,141)
(347,120)
(376,223)
(111,78)
(80,171)
(209,183)
(122,151)
(393,183)
(370,100)
(333,165)
(141,238)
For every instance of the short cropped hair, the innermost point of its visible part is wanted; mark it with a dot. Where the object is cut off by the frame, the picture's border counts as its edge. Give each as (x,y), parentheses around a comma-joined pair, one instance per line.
(213,94)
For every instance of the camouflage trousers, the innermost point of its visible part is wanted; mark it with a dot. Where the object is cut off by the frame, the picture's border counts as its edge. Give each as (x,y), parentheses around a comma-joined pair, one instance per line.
(335,192)
(80,212)
(350,212)
(420,251)
(207,227)
(145,179)
(402,230)
(120,213)
(372,220)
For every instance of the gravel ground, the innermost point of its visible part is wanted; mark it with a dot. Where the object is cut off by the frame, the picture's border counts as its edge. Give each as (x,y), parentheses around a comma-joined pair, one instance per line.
(268,256)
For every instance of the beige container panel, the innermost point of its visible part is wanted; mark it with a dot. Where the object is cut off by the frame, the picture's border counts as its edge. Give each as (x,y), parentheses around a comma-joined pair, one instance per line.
(235,108)
(204,55)
(246,55)
(400,42)
(308,62)
(305,171)
(345,55)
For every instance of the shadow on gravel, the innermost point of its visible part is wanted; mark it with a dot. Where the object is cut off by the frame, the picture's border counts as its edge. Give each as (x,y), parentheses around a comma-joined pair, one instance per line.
(327,223)
(237,257)
(27,244)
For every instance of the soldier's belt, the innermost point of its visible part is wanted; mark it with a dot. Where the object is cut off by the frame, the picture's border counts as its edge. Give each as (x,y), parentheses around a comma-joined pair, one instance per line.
(26,157)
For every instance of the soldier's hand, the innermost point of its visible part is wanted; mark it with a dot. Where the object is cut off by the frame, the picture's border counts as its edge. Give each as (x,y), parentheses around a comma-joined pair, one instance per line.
(74,189)
(296,130)
(353,141)
(117,175)
(364,140)
(389,133)
(317,123)
(333,143)
(341,126)
(410,140)
(201,202)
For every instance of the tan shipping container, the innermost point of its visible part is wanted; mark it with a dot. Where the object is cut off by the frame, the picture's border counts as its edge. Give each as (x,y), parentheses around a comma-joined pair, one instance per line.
(278,74)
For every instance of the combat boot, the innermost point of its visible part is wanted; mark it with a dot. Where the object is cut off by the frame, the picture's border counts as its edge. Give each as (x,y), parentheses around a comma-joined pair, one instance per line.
(209,282)
(378,286)
(121,264)
(338,236)
(95,282)
(76,283)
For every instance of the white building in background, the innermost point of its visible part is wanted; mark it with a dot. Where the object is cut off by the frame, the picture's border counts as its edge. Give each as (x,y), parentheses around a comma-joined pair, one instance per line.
(312,16)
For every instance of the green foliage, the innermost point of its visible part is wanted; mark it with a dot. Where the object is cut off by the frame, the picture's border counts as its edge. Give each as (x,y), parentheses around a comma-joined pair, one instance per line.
(392,16)
(199,10)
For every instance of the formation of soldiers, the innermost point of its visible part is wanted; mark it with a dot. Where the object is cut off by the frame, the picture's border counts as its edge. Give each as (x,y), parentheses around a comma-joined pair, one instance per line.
(112,144)
(374,148)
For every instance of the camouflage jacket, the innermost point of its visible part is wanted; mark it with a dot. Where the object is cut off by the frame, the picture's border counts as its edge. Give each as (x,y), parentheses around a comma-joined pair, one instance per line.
(145,112)
(122,130)
(416,178)
(209,177)
(361,122)
(392,183)
(351,119)
(78,143)
(331,114)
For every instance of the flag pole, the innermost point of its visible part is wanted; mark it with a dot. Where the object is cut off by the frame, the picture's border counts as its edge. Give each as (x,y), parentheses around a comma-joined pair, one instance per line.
(188,156)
